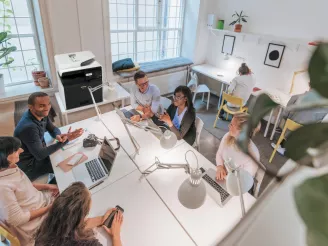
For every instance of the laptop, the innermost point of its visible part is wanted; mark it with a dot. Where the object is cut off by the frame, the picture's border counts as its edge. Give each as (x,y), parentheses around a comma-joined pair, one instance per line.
(95,171)
(216,189)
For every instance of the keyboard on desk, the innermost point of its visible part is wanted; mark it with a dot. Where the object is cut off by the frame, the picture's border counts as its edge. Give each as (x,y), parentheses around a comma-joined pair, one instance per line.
(94,170)
(217,187)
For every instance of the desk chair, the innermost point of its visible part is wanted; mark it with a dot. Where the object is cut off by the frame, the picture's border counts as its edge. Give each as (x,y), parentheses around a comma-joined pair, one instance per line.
(197,88)
(257,182)
(289,125)
(233,100)
(199,127)
(6,236)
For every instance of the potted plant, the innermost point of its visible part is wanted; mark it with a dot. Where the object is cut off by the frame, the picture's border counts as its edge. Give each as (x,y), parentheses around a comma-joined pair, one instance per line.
(308,145)
(36,74)
(5,50)
(240,18)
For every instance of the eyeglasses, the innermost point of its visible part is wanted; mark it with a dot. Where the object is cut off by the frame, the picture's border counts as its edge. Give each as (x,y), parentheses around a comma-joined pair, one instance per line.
(143,84)
(177,98)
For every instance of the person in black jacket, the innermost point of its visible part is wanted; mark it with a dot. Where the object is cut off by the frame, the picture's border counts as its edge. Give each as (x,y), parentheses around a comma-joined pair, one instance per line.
(35,161)
(180,115)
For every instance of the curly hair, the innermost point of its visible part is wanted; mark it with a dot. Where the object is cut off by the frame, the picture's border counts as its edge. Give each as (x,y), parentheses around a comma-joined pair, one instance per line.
(66,218)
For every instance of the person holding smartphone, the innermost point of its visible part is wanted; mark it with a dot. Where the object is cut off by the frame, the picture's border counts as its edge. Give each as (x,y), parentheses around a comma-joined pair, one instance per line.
(67,223)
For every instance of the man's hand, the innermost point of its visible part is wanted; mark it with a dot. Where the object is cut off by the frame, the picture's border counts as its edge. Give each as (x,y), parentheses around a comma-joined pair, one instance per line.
(61,138)
(140,108)
(135,118)
(53,188)
(115,230)
(148,112)
(166,118)
(75,134)
(221,173)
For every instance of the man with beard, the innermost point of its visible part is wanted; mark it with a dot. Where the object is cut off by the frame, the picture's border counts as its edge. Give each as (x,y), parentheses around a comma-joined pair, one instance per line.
(35,161)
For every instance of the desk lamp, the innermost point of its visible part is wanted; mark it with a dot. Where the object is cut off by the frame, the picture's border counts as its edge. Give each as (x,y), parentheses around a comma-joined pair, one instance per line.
(238,182)
(192,191)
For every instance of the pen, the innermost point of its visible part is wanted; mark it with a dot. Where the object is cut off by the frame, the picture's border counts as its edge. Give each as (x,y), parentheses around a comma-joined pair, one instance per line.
(96,185)
(69,130)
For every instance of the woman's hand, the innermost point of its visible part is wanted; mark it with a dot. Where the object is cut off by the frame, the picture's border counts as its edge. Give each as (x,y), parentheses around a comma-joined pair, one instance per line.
(109,211)
(221,173)
(166,118)
(53,188)
(115,230)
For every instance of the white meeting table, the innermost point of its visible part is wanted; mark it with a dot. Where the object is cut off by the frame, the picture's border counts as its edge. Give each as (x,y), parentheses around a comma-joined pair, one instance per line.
(153,214)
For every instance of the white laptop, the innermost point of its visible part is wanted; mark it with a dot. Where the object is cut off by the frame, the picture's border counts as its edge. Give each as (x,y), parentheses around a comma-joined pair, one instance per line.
(95,171)
(216,189)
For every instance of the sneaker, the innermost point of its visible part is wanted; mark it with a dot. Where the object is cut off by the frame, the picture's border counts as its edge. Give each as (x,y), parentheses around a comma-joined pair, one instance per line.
(280,150)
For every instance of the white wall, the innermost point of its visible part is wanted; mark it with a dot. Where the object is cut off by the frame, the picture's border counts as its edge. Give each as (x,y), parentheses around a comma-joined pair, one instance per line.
(285,20)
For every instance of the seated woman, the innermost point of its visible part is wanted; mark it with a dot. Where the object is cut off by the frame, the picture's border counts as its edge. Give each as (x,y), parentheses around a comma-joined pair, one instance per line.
(67,225)
(229,149)
(180,115)
(23,205)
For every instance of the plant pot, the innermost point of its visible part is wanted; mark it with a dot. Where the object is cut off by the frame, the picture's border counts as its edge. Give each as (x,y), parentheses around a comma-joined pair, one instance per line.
(238,27)
(44,82)
(2,84)
(36,75)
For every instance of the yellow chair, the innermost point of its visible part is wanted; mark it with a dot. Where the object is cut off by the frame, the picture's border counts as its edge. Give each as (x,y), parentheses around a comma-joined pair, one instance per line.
(289,125)
(6,234)
(233,100)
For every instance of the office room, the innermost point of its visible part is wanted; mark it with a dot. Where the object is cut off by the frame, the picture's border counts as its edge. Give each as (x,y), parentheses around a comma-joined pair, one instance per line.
(163,122)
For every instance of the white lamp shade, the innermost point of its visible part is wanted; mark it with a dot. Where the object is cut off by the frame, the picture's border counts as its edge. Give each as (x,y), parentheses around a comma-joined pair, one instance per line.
(192,196)
(246,181)
(168,140)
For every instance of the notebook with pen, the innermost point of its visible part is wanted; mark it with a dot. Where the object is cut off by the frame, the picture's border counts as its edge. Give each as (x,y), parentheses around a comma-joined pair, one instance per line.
(67,167)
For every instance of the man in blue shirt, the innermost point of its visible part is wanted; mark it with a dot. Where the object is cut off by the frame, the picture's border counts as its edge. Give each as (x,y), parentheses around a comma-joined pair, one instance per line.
(35,161)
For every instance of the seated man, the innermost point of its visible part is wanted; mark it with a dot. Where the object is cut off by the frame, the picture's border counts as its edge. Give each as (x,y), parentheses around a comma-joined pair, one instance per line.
(315,115)
(145,97)
(35,161)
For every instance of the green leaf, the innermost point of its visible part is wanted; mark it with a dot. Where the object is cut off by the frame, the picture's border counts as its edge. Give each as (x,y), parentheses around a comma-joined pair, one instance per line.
(3,35)
(311,198)
(8,51)
(237,13)
(308,136)
(10,11)
(318,69)
(7,3)
(244,20)
(262,105)
(232,23)
(233,15)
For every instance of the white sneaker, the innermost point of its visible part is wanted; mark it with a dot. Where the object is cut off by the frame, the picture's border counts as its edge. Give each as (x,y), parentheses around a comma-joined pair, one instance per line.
(280,149)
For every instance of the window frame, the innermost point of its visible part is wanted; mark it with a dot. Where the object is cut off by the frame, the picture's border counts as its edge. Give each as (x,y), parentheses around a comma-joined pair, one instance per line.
(159,29)
(35,37)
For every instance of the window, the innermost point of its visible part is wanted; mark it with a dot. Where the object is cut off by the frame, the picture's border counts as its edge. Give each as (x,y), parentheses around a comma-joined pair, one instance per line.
(146,30)
(16,17)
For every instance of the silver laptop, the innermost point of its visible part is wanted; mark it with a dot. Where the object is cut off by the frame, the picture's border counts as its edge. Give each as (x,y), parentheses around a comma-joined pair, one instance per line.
(216,189)
(95,171)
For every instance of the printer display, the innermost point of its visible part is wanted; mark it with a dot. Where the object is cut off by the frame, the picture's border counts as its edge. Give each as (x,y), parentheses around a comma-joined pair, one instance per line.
(76,76)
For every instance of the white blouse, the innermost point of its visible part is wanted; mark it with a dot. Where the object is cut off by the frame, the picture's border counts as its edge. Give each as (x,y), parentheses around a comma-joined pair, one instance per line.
(17,197)
(238,157)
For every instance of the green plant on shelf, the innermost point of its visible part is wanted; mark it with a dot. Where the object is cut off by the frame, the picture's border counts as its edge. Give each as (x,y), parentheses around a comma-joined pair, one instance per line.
(239,18)
(32,62)
(306,145)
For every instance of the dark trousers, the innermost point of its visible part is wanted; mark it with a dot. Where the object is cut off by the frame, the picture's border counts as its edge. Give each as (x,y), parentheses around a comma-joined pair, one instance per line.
(34,169)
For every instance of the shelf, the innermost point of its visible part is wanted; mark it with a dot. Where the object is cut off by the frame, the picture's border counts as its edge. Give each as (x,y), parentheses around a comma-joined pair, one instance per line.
(268,38)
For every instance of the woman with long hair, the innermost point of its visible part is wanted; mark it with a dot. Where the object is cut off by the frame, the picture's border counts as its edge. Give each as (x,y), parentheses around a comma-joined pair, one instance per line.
(23,205)
(67,225)
(228,148)
(180,115)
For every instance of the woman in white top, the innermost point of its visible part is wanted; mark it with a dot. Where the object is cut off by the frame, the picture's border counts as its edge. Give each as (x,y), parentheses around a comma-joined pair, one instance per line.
(23,205)
(229,149)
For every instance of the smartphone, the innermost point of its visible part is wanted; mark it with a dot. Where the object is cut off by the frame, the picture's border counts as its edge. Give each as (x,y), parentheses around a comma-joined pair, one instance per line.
(108,222)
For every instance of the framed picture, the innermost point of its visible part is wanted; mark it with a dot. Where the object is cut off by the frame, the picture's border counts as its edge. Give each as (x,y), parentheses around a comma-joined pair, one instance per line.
(228,44)
(274,55)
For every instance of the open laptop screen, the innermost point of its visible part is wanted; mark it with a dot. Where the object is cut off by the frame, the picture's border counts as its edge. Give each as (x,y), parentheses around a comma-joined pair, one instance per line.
(107,154)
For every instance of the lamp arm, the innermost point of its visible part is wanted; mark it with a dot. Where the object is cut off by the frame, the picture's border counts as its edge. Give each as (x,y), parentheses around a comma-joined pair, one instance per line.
(194,155)
(91,90)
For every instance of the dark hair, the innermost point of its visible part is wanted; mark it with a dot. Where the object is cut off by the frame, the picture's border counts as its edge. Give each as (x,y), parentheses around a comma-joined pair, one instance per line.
(244,69)
(33,96)
(139,75)
(66,218)
(185,90)
(8,145)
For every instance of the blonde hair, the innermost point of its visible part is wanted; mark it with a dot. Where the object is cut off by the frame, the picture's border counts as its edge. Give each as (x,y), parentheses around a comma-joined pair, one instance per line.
(241,120)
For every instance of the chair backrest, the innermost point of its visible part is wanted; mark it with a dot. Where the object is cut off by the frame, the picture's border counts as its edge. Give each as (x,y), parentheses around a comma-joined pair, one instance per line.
(193,83)
(292,125)
(199,127)
(232,99)
(4,232)
(258,181)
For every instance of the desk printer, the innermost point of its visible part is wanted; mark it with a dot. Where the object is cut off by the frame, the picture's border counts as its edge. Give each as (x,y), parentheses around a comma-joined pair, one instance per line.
(75,73)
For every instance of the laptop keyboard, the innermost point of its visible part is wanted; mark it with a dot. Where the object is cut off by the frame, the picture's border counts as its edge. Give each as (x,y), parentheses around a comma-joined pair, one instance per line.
(217,187)
(94,170)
